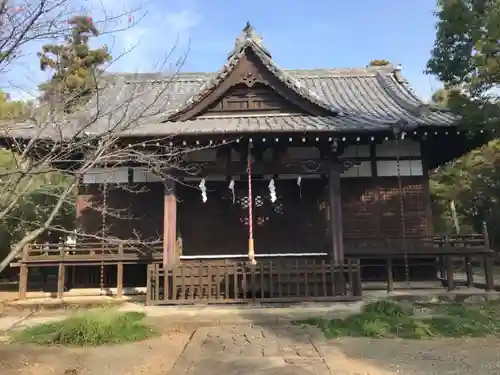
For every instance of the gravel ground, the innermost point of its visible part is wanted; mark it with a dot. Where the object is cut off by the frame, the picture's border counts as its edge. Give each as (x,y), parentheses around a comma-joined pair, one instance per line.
(410,357)
(152,357)
(347,356)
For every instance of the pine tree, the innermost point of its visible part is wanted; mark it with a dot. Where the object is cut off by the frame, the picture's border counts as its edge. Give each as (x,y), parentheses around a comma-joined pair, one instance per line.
(379,63)
(13,109)
(74,64)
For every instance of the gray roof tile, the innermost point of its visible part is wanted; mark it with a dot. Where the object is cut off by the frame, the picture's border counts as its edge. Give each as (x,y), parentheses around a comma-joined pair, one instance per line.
(360,99)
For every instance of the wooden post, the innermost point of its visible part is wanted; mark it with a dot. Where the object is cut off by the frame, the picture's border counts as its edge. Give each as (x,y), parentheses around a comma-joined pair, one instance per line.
(60,273)
(149,274)
(335,206)
(488,272)
(336,229)
(23,274)
(469,271)
(449,273)
(119,273)
(390,276)
(486,235)
(169,224)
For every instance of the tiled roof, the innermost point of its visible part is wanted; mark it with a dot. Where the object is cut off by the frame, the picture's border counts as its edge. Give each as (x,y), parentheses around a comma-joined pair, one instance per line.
(250,41)
(364,99)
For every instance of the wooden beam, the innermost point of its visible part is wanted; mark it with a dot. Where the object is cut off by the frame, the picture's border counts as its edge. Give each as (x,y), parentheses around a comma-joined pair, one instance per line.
(297,167)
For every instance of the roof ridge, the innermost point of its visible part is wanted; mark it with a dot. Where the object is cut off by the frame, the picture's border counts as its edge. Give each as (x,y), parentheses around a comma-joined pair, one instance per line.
(137,78)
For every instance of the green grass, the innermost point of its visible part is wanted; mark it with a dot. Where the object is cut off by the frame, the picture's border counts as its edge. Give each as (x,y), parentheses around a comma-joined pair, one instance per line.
(92,328)
(384,319)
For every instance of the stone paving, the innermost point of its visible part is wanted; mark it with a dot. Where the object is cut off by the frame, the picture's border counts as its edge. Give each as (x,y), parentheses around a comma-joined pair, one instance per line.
(249,350)
(273,350)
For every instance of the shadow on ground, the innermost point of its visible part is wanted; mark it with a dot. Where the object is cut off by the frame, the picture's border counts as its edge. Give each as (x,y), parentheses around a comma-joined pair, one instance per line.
(353,356)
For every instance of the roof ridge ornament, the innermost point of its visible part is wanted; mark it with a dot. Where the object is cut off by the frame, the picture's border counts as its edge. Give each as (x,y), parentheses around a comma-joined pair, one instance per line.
(398,75)
(247,37)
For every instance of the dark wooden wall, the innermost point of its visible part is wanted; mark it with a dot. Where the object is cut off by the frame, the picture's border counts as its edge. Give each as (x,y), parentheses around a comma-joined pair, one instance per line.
(372,207)
(134,212)
(295,223)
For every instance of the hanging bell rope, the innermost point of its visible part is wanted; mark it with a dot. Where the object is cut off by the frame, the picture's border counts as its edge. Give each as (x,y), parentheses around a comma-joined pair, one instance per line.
(251,250)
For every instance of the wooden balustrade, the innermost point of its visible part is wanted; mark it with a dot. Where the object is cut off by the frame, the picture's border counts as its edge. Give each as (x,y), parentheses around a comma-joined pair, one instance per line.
(277,280)
(289,277)
(91,253)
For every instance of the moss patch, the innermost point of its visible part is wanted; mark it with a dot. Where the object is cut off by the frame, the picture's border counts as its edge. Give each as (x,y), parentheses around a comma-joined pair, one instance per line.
(93,328)
(389,319)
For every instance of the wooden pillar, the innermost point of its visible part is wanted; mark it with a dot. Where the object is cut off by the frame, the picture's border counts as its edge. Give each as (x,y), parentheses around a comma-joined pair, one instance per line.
(170,256)
(335,205)
(119,273)
(61,273)
(488,272)
(336,229)
(23,275)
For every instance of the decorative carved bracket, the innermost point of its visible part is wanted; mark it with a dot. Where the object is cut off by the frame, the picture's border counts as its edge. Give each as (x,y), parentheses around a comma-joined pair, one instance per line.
(346,164)
(250,79)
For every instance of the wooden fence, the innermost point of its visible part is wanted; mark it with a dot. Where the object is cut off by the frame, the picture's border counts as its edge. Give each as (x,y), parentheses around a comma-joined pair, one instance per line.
(277,280)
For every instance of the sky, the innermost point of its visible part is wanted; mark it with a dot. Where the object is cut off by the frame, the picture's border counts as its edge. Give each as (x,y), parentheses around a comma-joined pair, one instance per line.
(299,34)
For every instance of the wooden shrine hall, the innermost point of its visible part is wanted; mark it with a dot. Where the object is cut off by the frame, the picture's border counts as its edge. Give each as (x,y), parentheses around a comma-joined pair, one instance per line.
(286,185)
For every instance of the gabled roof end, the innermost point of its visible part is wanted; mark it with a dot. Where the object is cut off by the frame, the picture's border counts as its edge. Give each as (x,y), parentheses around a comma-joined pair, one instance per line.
(248,36)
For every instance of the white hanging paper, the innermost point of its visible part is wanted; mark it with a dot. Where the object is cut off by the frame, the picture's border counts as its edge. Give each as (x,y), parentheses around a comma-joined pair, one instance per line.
(231,187)
(272,190)
(299,182)
(203,189)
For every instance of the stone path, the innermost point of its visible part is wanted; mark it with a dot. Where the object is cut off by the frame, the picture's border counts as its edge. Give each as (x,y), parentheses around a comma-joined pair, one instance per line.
(280,350)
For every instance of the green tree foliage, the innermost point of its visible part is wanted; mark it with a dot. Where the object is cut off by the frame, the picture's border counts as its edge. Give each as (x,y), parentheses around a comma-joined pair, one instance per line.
(11,109)
(39,192)
(74,65)
(441,97)
(473,183)
(39,195)
(379,63)
(466,58)
(466,55)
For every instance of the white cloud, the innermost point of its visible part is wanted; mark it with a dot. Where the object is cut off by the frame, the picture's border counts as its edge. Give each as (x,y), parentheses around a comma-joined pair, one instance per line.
(160,26)
(132,38)
(153,38)
(182,21)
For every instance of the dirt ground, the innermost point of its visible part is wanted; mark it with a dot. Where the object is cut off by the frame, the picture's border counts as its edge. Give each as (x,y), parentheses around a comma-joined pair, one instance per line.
(472,356)
(236,350)
(153,357)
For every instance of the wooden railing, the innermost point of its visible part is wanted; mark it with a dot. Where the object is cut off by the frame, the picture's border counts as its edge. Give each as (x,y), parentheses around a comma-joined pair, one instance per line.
(277,280)
(460,268)
(374,246)
(80,253)
(391,253)
(133,252)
